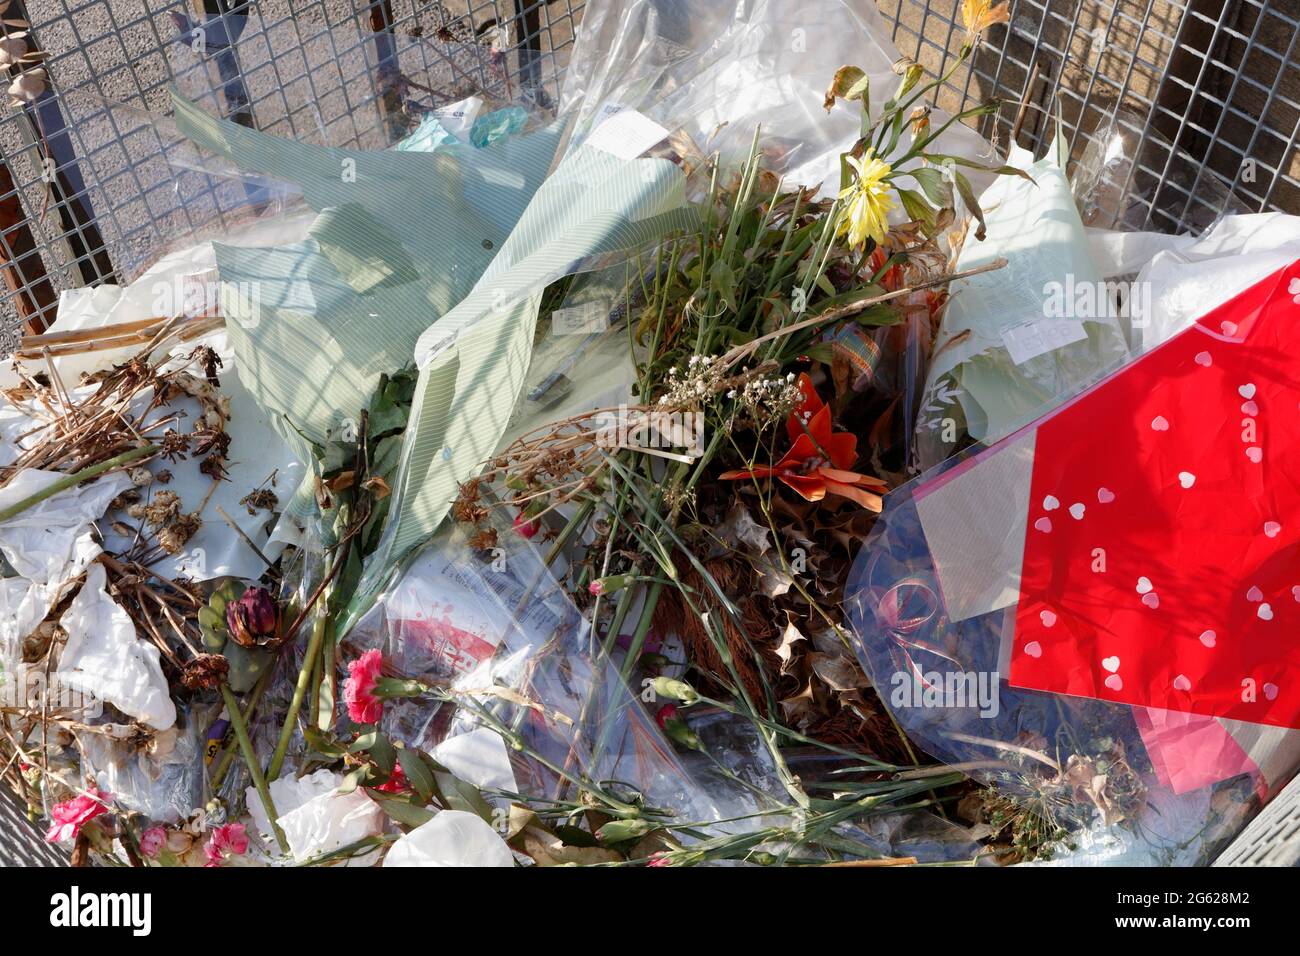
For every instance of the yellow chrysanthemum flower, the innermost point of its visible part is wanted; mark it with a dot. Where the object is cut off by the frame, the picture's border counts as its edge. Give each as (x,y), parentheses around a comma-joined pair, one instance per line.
(868,201)
(979,15)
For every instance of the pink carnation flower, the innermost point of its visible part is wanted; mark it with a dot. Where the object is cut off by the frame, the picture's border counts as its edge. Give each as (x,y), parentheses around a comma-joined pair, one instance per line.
(69,815)
(152,841)
(226,841)
(358,690)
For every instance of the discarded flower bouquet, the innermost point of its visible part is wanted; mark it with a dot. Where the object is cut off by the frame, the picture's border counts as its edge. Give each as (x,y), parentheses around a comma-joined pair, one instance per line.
(643,633)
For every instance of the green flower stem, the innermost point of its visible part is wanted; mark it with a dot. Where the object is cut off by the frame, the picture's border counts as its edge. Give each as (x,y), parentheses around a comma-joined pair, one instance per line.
(318,629)
(255,698)
(254,768)
(76,478)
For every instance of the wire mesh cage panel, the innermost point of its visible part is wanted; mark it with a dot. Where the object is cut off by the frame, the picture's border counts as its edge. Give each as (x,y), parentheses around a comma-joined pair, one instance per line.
(1189,108)
(1179,110)
(88,183)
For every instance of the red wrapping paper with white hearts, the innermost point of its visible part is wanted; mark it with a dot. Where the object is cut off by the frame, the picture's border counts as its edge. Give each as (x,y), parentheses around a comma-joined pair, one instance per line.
(1162,555)
(1145,541)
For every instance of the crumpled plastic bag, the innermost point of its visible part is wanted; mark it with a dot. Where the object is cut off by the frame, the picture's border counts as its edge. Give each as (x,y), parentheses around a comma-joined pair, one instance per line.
(159,779)
(104,657)
(452,838)
(719,70)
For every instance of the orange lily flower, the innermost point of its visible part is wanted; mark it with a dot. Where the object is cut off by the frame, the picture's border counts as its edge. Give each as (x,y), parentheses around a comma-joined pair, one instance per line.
(819,459)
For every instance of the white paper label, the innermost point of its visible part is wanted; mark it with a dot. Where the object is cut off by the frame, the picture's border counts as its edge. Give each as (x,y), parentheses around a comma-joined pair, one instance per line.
(626,134)
(1036,337)
(457,118)
(583,319)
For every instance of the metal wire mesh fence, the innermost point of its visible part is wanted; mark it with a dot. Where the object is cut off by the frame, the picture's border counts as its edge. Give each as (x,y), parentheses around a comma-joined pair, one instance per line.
(1190,108)
(87,180)
(1201,98)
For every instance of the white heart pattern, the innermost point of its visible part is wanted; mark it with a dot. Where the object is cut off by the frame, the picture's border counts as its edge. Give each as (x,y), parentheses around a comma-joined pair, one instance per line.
(1208,638)
(1077,510)
(1186,479)
(1246,391)
(1265,612)
(1105,496)
(1115,682)
(1255,453)
(1255,595)
(1204,359)
(1151,600)
(1295,592)
(1160,424)
(1047,617)
(1182,683)
(1110,663)
(1144,585)
(1229,328)
(1050,503)
(1270,691)
(1249,408)
(1044,525)
(1272,529)
(1034,649)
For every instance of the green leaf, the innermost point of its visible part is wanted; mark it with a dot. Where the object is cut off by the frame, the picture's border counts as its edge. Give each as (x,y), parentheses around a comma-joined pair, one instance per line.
(877,315)
(968,197)
(364,740)
(942,159)
(934,184)
(402,811)
(353,780)
(917,208)
(323,743)
(456,794)
(723,281)
(417,772)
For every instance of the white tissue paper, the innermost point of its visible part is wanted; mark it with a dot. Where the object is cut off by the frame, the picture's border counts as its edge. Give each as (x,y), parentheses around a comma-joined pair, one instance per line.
(49,544)
(330,822)
(452,838)
(104,658)
(288,794)
(479,758)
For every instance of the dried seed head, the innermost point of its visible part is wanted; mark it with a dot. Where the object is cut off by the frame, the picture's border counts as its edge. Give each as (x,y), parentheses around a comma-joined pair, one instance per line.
(174,537)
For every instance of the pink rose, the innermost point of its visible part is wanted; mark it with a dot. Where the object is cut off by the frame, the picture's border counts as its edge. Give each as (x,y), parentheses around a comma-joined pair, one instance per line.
(359,689)
(69,815)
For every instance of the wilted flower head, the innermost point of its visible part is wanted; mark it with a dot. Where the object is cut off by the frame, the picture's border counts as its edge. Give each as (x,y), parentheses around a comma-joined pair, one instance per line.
(226,841)
(205,672)
(152,842)
(69,815)
(253,620)
(524,526)
(359,689)
(979,15)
